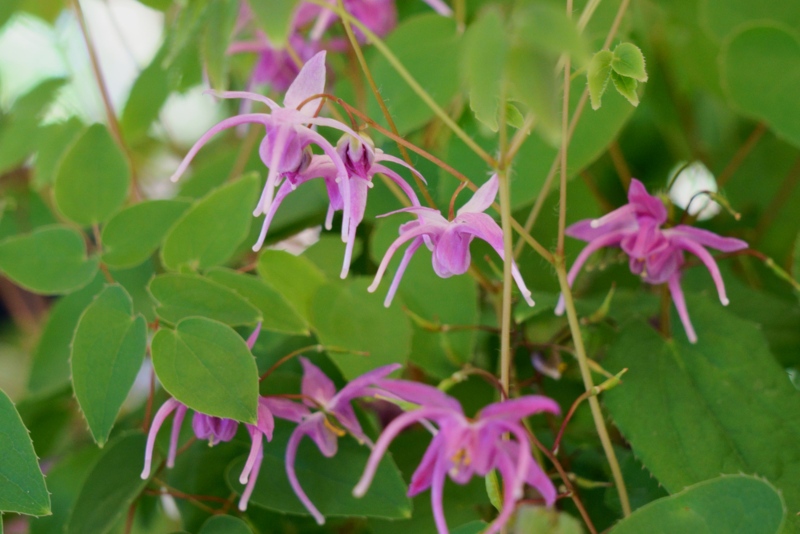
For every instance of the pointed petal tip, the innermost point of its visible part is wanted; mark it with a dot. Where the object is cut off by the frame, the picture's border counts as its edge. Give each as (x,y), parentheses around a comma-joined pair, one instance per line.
(724,301)
(243,478)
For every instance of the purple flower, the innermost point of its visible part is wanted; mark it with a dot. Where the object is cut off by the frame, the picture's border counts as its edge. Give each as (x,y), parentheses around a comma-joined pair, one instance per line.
(320,392)
(449,240)
(464,447)
(655,253)
(274,67)
(285,149)
(214,430)
(362,162)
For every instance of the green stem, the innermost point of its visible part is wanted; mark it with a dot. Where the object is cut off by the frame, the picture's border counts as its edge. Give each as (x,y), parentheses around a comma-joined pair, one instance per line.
(409,79)
(505,219)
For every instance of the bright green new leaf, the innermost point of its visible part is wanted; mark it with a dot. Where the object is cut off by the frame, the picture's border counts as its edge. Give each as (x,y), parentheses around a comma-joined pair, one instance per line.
(628,61)
(597,74)
(22,487)
(761,73)
(50,260)
(211,231)
(349,317)
(725,505)
(145,100)
(187,295)
(723,17)
(107,352)
(224,524)
(483,60)
(111,486)
(723,395)
(626,87)
(20,128)
(50,369)
(133,234)
(329,482)
(276,314)
(428,46)
(216,38)
(208,367)
(93,178)
(275,18)
(294,277)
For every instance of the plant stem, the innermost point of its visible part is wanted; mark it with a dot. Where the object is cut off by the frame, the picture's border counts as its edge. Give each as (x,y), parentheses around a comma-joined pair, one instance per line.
(505,219)
(409,79)
(741,154)
(111,117)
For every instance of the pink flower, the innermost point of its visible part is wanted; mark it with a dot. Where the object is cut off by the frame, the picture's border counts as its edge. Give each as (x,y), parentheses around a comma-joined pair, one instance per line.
(655,253)
(362,162)
(464,447)
(449,240)
(320,392)
(215,430)
(285,149)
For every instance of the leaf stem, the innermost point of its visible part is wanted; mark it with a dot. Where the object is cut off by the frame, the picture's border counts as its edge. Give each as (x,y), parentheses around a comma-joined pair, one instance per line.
(505,220)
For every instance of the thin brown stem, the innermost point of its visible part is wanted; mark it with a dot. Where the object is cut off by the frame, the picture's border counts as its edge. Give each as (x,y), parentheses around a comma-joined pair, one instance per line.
(740,155)
(111,116)
(621,166)
(245,149)
(783,194)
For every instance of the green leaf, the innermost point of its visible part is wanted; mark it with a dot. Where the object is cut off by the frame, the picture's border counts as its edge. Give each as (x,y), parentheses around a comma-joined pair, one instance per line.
(276,314)
(22,487)
(50,260)
(19,130)
(328,482)
(597,74)
(428,46)
(275,18)
(216,38)
(546,28)
(531,82)
(724,505)
(148,95)
(186,295)
(208,367)
(93,179)
(349,317)
(224,524)
(626,87)
(111,486)
(54,139)
(473,527)
(722,395)
(628,61)
(541,520)
(211,231)
(294,277)
(133,234)
(761,73)
(107,352)
(485,49)
(50,369)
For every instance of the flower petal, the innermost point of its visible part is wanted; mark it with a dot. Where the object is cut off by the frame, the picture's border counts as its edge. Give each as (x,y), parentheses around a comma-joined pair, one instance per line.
(423,475)
(316,384)
(422,394)
(706,238)
(158,420)
(286,409)
(177,422)
(309,82)
(675,290)
(482,198)
(519,408)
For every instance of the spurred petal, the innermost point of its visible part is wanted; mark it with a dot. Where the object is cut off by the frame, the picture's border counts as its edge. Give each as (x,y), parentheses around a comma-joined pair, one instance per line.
(158,420)
(177,422)
(519,408)
(396,178)
(316,384)
(309,82)
(505,466)
(387,257)
(380,155)
(401,269)
(291,454)
(251,482)
(251,340)
(422,394)
(423,475)
(645,203)
(255,450)
(482,198)
(266,421)
(437,497)
(706,238)
(286,409)
(359,387)
(680,304)
(247,95)
(708,261)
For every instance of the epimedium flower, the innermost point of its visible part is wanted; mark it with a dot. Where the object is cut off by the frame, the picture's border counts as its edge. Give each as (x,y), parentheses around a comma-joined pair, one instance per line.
(362,161)
(449,240)
(214,430)
(274,66)
(655,253)
(463,447)
(284,149)
(321,426)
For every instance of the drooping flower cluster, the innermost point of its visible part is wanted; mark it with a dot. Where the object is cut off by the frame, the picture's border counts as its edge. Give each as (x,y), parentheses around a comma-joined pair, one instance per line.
(655,253)
(461,447)
(348,170)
